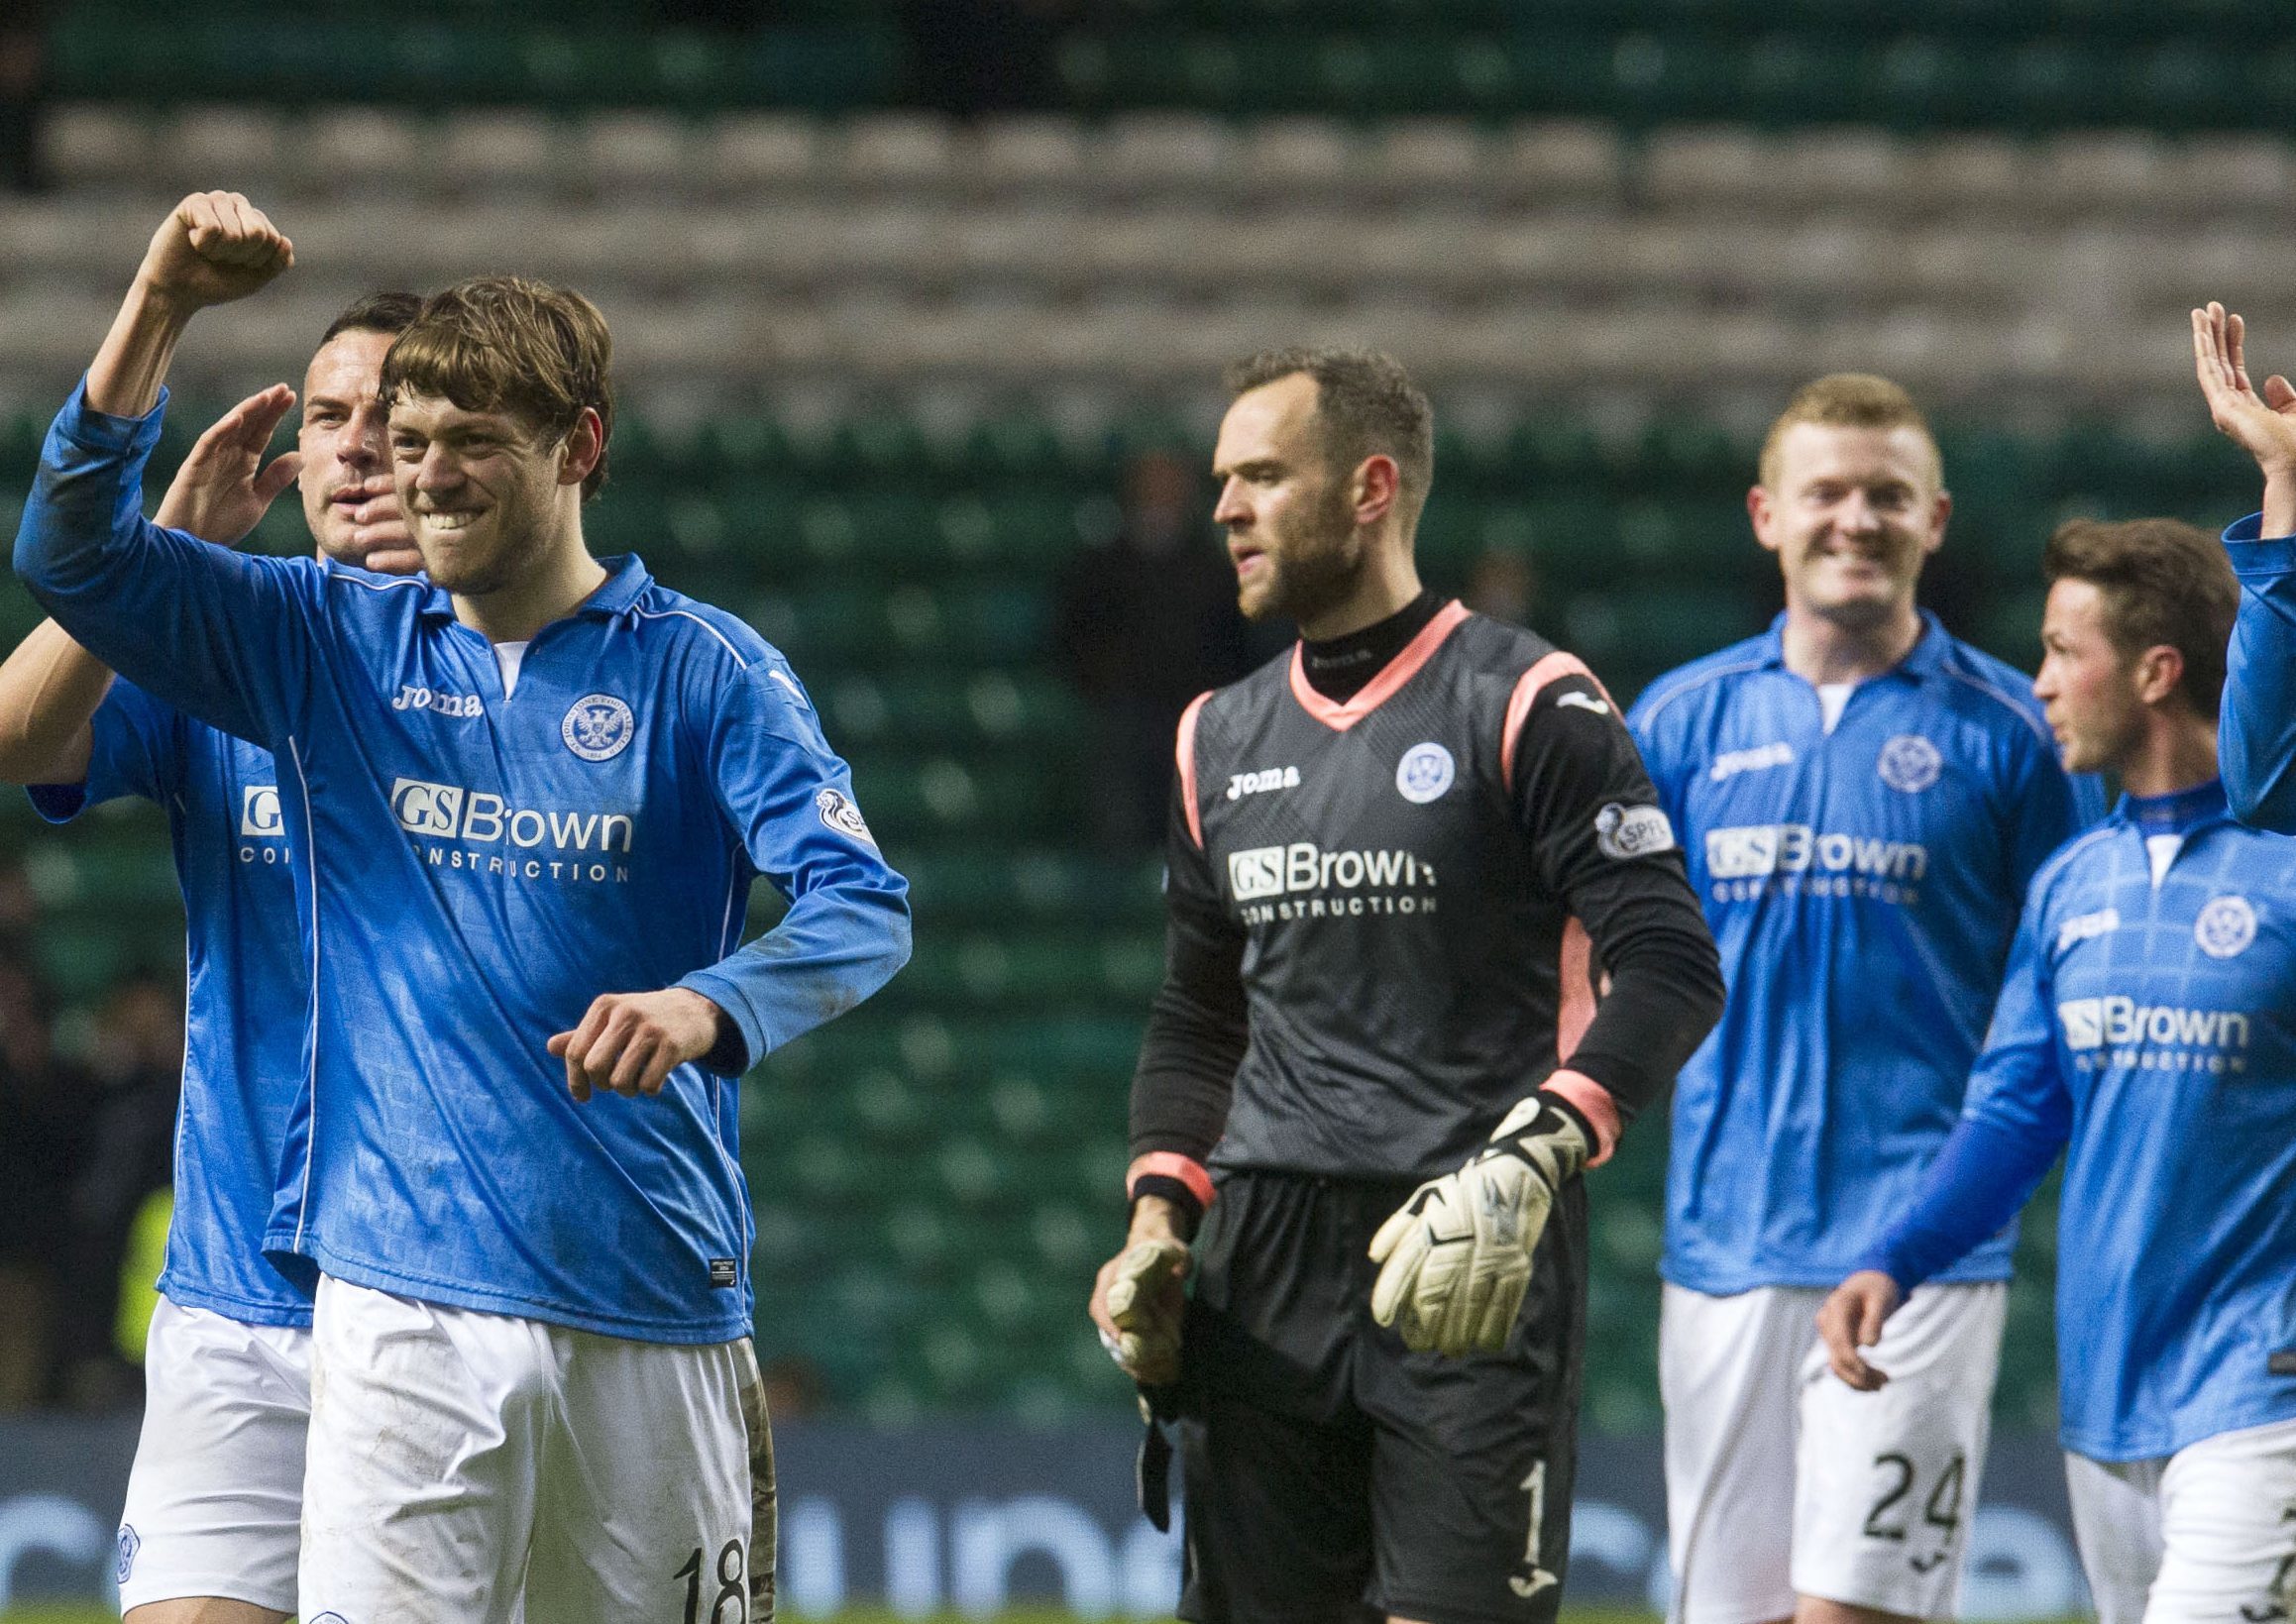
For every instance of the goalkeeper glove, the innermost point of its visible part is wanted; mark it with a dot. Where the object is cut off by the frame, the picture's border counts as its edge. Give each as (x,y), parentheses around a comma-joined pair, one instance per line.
(1145,1305)
(1456,1258)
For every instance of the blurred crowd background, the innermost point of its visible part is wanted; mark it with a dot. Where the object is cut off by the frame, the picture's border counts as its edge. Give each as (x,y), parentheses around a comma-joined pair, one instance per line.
(920,306)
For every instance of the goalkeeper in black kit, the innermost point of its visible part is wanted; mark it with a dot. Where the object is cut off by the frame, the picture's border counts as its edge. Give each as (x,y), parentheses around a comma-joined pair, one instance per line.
(1431,947)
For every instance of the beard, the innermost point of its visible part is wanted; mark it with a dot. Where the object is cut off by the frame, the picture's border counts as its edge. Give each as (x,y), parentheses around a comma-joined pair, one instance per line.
(476,573)
(1315,570)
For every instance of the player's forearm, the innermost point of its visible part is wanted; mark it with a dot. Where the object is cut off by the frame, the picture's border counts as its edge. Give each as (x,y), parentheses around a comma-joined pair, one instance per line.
(132,363)
(2280,500)
(50,689)
(1198,1030)
(1666,993)
(1985,1173)
(837,945)
(2257,739)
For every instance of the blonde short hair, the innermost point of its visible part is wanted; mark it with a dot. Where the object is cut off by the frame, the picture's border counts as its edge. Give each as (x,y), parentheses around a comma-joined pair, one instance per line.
(1853,400)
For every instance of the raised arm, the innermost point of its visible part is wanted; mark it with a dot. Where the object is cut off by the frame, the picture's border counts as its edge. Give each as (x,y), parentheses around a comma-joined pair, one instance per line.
(220,637)
(2257,739)
(51,687)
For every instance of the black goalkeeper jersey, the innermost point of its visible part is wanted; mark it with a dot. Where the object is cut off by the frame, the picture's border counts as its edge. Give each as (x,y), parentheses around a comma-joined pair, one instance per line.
(1389,916)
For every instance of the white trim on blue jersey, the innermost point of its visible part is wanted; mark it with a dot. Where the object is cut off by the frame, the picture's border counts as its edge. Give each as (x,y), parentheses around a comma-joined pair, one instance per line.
(1862,885)
(483,866)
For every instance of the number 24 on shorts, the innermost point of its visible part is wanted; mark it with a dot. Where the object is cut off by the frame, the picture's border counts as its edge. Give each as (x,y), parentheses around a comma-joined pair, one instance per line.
(1942,1511)
(732,1586)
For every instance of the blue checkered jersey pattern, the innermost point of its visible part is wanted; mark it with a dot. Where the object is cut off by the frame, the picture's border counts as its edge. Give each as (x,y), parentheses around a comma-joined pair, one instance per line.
(483,864)
(1862,884)
(2256,739)
(2149,1030)
(249,989)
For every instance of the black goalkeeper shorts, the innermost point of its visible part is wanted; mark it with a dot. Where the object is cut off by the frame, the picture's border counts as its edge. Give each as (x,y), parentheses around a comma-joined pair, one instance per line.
(1330,1474)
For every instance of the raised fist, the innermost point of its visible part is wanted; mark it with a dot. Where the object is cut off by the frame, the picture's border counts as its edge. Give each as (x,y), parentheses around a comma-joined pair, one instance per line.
(215,248)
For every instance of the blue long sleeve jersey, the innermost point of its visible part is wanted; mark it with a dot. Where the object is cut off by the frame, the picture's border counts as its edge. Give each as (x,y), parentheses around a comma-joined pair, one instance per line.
(1862,884)
(2151,1027)
(480,865)
(2256,730)
(249,992)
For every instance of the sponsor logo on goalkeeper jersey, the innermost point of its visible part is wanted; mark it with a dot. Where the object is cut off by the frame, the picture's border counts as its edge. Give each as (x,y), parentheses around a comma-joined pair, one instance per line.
(526,843)
(2116,1030)
(1757,859)
(1240,784)
(1303,881)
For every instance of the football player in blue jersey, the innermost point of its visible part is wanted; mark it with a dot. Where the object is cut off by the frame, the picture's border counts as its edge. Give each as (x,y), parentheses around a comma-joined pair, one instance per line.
(2258,742)
(209,1530)
(527,798)
(2148,1030)
(1862,798)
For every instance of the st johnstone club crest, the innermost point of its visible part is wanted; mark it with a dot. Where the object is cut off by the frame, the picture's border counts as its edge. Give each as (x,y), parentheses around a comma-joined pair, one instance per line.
(598,727)
(1909,763)
(1424,773)
(2225,928)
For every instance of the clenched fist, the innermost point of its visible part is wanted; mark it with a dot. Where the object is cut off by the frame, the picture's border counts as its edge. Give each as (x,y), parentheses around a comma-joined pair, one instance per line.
(215,248)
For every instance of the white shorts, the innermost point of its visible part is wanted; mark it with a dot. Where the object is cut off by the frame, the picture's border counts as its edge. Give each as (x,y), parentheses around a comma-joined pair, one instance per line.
(216,1494)
(489,1469)
(1781,1480)
(2207,1534)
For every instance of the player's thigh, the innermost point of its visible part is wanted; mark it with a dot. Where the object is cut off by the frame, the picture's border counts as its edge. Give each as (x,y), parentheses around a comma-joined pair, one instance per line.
(203,1610)
(214,1505)
(1275,1459)
(425,1422)
(1886,1482)
(1278,1515)
(643,1508)
(2117,1529)
(2227,1520)
(1473,1458)
(1729,1373)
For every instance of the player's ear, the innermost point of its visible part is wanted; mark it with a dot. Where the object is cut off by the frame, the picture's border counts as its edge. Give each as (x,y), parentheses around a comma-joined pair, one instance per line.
(585,445)
(1377,482)
(2159,673)
(1941,511)
(1762,510)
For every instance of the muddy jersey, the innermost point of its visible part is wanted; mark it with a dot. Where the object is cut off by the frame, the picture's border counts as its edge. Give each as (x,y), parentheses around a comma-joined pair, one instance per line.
(1402,877)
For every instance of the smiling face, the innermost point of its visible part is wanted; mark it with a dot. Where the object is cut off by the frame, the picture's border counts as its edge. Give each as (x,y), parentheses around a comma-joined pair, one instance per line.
(2090,690)
(346,447)
(485,496)
(1288,513)
(1852,514)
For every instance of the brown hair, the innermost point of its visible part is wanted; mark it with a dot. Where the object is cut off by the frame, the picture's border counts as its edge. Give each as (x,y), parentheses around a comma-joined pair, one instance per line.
(2163,582)
(1853,400)
(1366,406)
(509,345)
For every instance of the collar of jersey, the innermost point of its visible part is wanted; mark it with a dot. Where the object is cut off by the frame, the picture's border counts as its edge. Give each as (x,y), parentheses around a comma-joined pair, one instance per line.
(626,579)
(1380,688)
(1925,659)
(2177,813)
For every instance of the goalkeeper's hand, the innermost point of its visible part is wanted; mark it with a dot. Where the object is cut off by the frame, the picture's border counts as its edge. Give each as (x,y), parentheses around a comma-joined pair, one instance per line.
(1139,1305)
(1456,1258)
